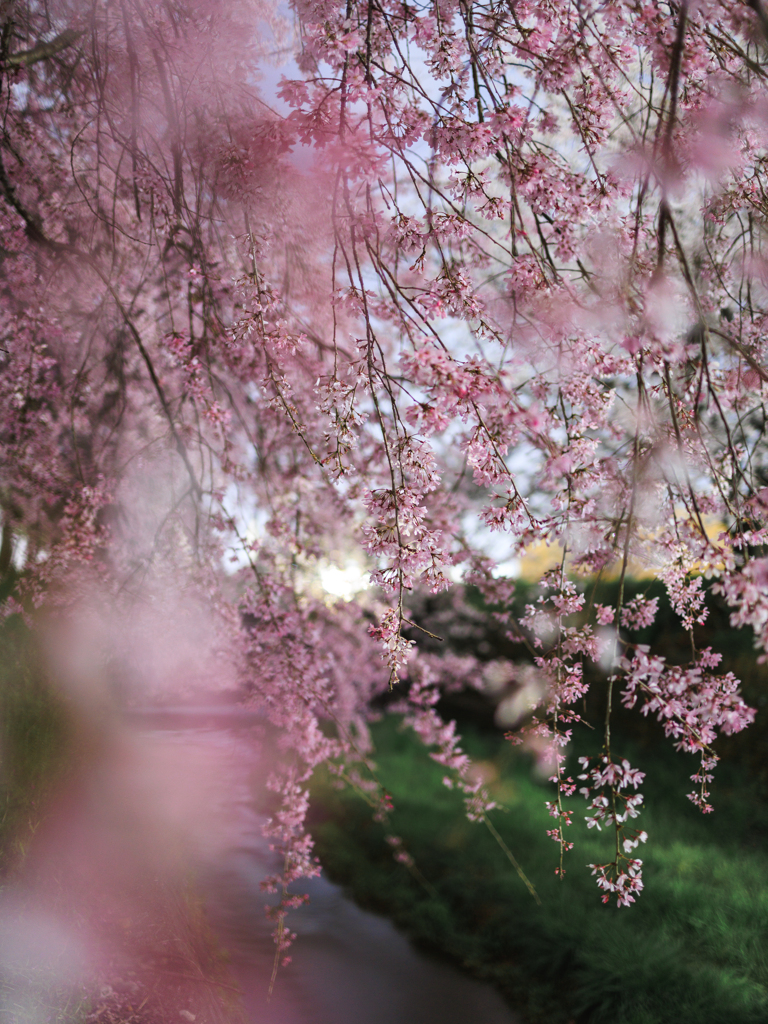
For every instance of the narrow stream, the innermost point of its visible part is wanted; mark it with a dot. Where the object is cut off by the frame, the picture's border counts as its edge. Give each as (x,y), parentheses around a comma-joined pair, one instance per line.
(348,966)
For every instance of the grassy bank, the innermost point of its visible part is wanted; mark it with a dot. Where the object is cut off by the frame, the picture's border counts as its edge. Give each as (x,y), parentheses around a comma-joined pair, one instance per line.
(35,748)
(693,949)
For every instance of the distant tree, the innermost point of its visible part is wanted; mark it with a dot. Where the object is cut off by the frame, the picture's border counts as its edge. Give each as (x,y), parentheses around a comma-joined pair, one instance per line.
(476,275)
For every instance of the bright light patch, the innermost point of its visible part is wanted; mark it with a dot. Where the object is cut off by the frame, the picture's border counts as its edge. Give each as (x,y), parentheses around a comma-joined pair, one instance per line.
(455,573)
(343,583)
(510,567)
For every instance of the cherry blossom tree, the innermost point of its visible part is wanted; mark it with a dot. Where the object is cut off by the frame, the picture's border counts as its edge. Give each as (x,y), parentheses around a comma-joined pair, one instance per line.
(473,275)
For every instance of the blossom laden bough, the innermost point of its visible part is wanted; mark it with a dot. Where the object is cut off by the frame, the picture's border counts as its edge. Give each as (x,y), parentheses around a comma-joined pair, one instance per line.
(479,277)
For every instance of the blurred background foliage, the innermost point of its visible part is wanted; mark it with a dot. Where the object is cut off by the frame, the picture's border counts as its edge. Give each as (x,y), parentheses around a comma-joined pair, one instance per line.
(46,761)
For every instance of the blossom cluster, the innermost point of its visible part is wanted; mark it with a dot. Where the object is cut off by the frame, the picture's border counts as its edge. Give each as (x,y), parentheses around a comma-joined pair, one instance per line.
(606,783)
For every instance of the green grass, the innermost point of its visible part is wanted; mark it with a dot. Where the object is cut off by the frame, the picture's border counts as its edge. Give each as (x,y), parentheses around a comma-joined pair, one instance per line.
(30,998)
(35,748)
(694,948)
(35,754)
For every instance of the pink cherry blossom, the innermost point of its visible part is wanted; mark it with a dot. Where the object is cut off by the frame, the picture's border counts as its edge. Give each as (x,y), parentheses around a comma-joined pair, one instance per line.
(467,284)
